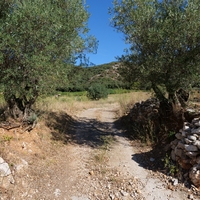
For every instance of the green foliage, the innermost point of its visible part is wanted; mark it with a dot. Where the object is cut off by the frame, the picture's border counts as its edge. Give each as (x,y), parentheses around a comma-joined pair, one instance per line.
(106,141)
(6,138)
(118,91)
(74,94)
(39,41)
(97,91)
(80,78)
(169,165)
(164,42)
(144,131)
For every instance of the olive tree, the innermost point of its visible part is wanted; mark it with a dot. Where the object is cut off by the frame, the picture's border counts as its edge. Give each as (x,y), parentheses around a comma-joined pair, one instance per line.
(39,41)
(164,38)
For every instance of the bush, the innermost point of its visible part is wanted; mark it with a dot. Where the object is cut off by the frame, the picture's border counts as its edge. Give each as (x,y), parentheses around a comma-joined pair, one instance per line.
(97,91)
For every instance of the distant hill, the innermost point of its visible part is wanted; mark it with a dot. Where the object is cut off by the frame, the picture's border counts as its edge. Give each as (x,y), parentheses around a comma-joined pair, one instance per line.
(80,78)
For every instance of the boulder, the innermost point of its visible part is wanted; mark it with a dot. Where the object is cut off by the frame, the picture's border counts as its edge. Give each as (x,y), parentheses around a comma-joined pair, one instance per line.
(194,175)
(6,177)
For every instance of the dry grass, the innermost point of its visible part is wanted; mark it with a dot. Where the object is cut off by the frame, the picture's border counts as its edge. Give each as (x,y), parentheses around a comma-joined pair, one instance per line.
(73,105)
(126,101)
(40,149)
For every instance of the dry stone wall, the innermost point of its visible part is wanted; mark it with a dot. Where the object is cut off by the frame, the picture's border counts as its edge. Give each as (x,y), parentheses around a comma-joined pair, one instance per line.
(186,149)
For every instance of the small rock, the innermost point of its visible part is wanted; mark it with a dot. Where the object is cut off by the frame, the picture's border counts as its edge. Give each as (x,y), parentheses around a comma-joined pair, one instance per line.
(57,192)
(191,137)
(123,193)
(192,154)
(179,152)
(23,145)
(175,181)
(186,128)
(190,196)
(179,136)
(180,145)
(1,160)
(190,147)
(191,110)
(184,133)
(170,187)
(152,159)
(4,169)
(198,160)
(91,173)
(197,143)
(194,175)
(187,141)
(112,196)
(195,131)
(197,123)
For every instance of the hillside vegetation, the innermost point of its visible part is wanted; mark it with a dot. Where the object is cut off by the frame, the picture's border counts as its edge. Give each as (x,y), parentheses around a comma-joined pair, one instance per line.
(81,78)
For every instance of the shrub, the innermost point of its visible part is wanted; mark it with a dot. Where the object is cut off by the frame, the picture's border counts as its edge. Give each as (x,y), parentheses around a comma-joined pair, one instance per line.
(97,91)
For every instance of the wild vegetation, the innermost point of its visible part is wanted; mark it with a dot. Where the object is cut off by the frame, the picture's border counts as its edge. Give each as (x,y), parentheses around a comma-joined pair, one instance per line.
(164,53)
(164,43)
(81,78)
(40,40)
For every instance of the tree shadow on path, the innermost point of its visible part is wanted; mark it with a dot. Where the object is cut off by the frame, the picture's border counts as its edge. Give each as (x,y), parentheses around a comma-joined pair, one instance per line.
(83,131)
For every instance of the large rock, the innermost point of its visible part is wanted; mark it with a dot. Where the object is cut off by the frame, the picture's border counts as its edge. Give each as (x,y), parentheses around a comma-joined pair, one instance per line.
(190,147)
(195,131)
(6,177)
(194,175)
(197,143)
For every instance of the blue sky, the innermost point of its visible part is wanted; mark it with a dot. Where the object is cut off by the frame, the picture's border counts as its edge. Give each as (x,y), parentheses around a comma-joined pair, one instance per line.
(111,43)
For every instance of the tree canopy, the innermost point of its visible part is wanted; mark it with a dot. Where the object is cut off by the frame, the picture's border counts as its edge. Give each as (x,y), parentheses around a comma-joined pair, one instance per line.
(164,38)
(39,41)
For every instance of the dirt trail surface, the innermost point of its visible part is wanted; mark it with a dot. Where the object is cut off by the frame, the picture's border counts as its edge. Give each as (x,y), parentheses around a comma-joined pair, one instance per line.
(97,163)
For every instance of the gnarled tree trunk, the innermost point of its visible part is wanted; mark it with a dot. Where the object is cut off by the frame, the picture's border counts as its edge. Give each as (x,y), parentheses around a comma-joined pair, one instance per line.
(20,109)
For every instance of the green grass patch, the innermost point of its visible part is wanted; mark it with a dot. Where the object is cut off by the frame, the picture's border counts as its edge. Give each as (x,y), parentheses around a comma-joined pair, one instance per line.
(118,91)
(73,94)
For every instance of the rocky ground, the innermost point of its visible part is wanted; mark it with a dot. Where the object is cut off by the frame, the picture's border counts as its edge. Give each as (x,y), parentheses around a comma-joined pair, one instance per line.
(84,157)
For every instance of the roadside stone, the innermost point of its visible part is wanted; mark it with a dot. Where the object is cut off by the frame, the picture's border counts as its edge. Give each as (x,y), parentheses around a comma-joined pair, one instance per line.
(91,173)
(123,193)
(152,159)
(1,160)
(190,147)
(175,181)
(4,169)
(6,177)
(197,143)
(187,141)
(191,137)
(198,160)
(186,128)
(180,145)
(197,123)
(195,131)
(190,196)
(178,136)
(179,152)
(194,175)
(21,166)
(192,154)
(57,192)
(112,196)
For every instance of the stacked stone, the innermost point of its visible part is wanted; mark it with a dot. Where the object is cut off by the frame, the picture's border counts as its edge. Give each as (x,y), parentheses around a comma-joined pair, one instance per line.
(145,110)
(186,149)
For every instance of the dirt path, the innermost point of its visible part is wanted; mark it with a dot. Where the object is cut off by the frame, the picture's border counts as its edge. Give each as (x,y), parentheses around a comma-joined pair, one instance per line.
(98,163)
(113,172)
